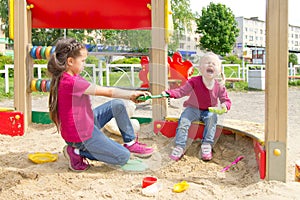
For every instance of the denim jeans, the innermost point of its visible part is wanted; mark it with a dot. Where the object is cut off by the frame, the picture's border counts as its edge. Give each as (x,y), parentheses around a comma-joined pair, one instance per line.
(193,114)
(102,148)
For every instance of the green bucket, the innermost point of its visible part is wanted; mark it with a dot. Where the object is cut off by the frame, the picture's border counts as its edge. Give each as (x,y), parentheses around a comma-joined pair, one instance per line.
(41,117)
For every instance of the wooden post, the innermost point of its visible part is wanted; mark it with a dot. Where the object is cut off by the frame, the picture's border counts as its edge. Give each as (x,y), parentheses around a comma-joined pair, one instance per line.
(158,69)
(276,89)
(22,70)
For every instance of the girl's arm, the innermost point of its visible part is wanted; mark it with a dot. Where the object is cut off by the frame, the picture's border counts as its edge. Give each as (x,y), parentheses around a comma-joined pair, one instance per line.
(132,95)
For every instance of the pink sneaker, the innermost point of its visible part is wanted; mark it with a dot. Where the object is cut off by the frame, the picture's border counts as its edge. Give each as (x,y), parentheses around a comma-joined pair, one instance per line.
(140,150)
(76,162)
(177,153)
(206,152)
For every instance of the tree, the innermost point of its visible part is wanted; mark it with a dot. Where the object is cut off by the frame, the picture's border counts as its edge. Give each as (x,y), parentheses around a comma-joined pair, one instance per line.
(182,20)
(4,15)
(218,28)
(293,59)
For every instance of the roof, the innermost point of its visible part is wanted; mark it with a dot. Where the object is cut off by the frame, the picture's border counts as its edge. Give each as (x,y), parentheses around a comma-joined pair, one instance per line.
(91,14)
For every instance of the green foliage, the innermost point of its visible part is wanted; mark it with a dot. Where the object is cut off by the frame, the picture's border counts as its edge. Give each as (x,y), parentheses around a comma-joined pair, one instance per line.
(293,59)
(4,15)
(241,86)
(232,59)
(218,28)
(182,18)
(127,61)
(92,60)
(182,15)
(6,60)
(294,82)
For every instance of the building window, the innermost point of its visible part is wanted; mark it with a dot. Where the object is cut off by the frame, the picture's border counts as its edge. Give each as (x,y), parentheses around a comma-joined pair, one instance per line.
(181,45)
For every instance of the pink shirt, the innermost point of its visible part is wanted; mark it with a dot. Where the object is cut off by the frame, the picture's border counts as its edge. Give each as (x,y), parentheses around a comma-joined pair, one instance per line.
(199,96)
(74,109)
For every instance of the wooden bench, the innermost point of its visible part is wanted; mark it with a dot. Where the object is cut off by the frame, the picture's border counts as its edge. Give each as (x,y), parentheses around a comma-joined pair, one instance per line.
(232,81)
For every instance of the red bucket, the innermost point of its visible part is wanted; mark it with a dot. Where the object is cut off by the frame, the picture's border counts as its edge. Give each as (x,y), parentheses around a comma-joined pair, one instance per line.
(149,180)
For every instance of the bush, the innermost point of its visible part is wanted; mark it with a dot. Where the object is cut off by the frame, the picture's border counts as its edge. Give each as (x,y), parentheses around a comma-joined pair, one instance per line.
(127,61)
(6,60)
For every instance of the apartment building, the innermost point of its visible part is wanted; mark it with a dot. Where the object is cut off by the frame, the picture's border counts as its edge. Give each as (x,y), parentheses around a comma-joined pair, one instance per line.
(251,42)
(189,41)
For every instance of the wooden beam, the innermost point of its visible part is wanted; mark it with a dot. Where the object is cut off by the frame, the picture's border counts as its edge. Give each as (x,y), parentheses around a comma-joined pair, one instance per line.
(158,69)
(22,73)
(276,88)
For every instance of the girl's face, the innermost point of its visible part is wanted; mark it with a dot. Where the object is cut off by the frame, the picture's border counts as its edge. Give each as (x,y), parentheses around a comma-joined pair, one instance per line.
(210,67)
(76,65)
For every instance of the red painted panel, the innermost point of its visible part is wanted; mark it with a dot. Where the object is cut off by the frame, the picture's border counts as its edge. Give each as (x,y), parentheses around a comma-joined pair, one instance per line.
(12,123)
(168,129)
(91,14)
(260,154)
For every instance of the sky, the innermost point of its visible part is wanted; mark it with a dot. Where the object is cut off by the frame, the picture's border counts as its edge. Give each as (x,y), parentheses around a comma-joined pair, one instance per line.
(250,8)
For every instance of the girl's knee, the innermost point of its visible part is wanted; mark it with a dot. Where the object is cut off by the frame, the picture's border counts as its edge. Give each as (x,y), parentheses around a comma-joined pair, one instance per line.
(123,159)
(118,104)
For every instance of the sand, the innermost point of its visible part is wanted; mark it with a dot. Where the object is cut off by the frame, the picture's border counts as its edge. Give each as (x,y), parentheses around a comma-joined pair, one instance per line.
(23,179)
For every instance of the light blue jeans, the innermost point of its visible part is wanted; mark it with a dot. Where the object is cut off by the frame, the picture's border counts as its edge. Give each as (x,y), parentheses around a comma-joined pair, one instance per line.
(102,148)
(193,114)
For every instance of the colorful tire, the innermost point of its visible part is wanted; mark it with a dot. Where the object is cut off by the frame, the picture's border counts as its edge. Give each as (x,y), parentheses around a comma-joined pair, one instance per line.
(43,85)
(48,83)
(52,50)
(43,55)
(47,52)
(32,86)
(33,51)
(38,52)
(38,85)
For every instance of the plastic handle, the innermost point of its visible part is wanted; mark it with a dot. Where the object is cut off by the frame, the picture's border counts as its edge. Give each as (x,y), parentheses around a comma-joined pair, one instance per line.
(145,98)
(238,159)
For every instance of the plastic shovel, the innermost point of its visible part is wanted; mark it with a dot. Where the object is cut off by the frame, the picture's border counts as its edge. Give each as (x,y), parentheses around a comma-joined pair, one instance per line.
(145,98)
(238,159)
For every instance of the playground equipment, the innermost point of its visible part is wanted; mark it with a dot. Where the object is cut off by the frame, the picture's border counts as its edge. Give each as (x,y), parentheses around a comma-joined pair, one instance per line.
(153,14)
(41,52)
(178,71)
(12,122)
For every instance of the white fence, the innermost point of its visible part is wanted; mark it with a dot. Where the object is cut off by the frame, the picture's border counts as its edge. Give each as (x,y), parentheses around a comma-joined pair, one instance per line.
(118,67)
(95,69)
(233,73)
(39,73)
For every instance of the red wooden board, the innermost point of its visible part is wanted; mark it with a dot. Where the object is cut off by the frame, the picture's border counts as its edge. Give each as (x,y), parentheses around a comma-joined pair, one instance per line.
(91,14)
(11,123)
(168,129)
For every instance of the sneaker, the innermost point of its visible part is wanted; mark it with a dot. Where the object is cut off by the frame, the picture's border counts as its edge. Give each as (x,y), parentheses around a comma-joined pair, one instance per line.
(206,152)
(177,153)
(76,162)
(140,150)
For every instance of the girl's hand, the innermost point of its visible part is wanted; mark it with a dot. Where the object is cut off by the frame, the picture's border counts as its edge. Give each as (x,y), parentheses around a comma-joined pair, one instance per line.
(134,96)
(223,106)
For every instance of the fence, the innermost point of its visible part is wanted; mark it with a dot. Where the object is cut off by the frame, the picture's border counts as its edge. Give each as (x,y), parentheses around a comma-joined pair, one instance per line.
(118,67)
(39,73)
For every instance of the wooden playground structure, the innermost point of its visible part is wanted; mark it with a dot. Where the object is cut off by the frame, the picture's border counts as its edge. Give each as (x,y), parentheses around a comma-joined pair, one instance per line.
(153,15)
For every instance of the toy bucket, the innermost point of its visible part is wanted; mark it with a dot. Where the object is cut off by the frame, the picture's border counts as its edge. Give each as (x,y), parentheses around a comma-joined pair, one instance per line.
(149,180)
